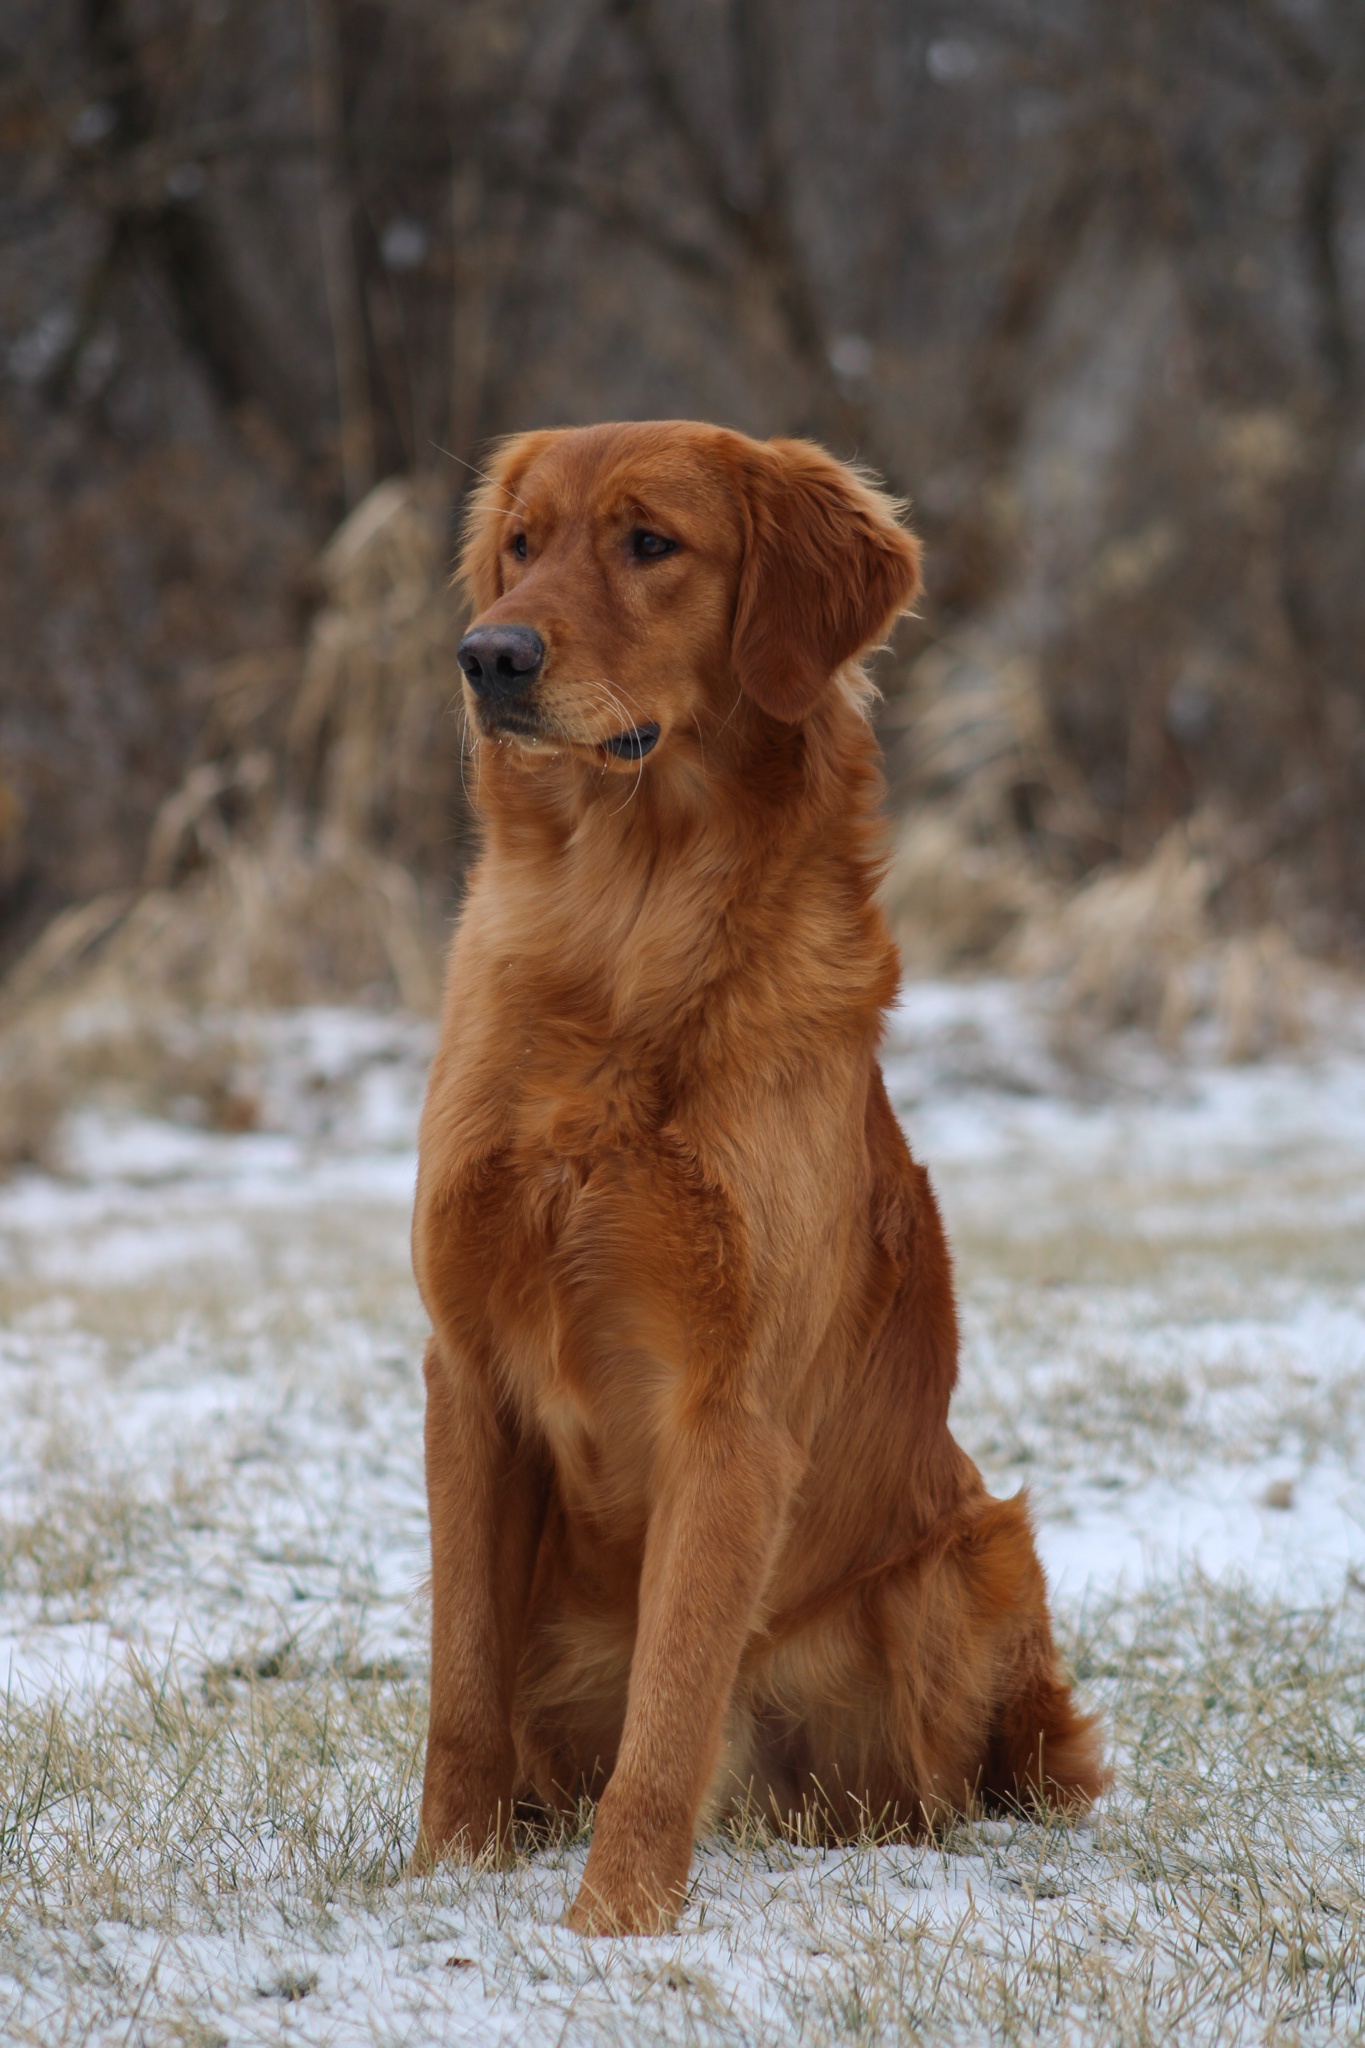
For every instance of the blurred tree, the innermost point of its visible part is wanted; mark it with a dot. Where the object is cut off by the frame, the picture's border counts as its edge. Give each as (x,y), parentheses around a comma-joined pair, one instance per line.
(1086,282)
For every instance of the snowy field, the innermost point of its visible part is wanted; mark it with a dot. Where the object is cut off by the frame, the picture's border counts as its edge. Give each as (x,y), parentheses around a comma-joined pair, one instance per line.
(212,1542)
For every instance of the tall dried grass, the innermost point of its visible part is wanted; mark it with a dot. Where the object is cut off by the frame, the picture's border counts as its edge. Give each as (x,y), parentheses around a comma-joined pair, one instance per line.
(993,809)
(116,992)
(1140,946)
(987,866)
(376,731)
(309,855)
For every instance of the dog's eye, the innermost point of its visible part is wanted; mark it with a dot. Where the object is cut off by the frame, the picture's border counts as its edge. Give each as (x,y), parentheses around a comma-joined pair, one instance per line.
(647,546)
(519,546)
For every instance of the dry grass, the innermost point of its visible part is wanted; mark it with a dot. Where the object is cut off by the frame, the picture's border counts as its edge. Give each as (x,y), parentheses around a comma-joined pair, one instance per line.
(377,726)
(181,1854)
(997,832)
(289,866)
(55,1053)
(993,812)
(142,996)
(1140,946)
(211,1535)
(954,901)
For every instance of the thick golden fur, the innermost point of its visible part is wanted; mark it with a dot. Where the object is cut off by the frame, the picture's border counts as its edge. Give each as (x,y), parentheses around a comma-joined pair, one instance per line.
(699,1529)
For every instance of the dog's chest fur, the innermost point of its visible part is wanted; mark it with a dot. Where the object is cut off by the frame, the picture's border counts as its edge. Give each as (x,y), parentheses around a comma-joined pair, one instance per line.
(599,1241)
(586,1254)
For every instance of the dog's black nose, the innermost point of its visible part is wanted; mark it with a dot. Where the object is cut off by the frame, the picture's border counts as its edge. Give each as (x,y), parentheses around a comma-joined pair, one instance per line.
(500,660)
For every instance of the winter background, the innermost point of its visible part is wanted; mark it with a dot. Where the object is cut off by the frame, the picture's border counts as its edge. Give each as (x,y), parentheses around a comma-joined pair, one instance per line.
(1088,286)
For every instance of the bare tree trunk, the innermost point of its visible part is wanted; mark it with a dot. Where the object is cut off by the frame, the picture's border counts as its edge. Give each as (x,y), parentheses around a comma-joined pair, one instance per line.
(344,305)
(473,290)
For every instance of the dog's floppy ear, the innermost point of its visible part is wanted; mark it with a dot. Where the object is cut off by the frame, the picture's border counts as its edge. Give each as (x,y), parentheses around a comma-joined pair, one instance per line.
(480,569)
(826,569)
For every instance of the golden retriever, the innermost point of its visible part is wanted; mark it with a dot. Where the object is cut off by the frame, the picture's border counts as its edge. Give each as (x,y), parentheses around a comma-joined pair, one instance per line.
(700,1534)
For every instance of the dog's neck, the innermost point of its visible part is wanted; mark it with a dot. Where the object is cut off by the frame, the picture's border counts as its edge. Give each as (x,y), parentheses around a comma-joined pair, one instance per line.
(640,898)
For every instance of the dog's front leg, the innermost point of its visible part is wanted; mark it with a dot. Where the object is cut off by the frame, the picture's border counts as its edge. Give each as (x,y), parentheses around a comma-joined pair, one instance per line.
(485,1497)
(723,1486)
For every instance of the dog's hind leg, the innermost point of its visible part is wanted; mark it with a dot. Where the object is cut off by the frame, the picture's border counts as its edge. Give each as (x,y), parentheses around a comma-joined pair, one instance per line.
(572,1683)
(962,1702)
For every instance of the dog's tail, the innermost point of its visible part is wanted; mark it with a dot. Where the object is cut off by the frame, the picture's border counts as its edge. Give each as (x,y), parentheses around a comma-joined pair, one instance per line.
(1042,1750)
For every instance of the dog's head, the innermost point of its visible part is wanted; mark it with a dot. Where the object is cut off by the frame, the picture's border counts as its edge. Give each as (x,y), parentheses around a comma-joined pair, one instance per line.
(627,580)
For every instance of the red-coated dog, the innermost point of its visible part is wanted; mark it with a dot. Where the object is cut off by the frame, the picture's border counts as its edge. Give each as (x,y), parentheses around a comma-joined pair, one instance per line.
(700,1533)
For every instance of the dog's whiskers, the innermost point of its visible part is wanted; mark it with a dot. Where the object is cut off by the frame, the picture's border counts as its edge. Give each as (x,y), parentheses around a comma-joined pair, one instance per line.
(609,699)
(482,474)
(464,749)
(616,703)
(725,722)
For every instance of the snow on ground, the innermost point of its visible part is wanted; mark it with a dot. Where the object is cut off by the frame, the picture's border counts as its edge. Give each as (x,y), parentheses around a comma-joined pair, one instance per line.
(1181,1262)
(210,1492)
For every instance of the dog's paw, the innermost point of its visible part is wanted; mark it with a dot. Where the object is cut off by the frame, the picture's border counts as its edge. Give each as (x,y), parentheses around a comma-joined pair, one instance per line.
(641,1913)
(630,1886)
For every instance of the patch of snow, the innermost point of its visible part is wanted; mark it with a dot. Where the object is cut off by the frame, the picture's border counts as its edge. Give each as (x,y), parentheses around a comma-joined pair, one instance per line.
(210,1371)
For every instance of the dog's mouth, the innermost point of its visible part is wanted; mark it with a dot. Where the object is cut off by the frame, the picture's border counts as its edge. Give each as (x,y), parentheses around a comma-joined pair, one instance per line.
(635,744)
(511,721)
(506,722)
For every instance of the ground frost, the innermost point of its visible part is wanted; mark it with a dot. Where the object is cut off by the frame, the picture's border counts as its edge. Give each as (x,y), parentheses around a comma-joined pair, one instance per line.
(212,1546)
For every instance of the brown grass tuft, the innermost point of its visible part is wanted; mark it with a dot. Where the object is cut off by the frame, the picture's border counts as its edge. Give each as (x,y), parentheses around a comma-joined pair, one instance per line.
(1140,946)
(999,829)
(115,991)
(377,729)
